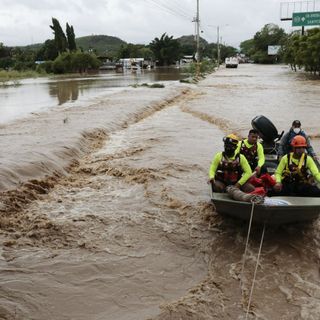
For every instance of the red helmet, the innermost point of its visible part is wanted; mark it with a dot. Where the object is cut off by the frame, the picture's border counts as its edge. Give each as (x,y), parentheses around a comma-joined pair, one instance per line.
(298,142)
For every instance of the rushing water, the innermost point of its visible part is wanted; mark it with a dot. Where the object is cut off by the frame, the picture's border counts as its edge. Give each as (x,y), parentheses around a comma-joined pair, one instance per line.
(34,95)
(129,233)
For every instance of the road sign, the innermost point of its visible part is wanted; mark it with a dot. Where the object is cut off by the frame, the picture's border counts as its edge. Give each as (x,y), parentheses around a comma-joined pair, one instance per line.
(300,19)
(273,50)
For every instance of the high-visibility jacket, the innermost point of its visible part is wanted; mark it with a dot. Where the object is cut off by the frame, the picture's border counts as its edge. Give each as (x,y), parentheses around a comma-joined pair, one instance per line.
(253,152)
(230,170)
(294,170)
(285,143)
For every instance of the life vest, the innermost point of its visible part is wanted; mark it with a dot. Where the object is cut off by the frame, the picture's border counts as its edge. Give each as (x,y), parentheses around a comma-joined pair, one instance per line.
(296,173)
(229,171)
(251,154)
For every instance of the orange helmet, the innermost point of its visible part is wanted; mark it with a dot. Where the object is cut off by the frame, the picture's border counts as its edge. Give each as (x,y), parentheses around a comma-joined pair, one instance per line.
(298,142)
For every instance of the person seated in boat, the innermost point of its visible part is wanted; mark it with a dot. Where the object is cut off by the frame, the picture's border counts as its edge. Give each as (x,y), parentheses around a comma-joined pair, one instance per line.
(285,142)
(252,149)
(230,168)
(295,170)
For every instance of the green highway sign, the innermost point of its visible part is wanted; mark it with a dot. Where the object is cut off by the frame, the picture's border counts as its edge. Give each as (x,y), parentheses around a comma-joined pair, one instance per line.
(300,19)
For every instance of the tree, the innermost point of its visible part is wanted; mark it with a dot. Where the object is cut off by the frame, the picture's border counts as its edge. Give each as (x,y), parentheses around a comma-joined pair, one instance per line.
(303,51)
(247,47)
(71,38)
(134,51)
(59,36)
(75,62)
(166,50)
(48,51)
(257,48)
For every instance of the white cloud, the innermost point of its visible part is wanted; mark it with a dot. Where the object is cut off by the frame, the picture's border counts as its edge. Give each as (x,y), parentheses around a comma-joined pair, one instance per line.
(138,21)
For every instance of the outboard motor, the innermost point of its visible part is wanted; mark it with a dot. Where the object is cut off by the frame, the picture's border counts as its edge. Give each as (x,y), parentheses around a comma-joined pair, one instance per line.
(270,139)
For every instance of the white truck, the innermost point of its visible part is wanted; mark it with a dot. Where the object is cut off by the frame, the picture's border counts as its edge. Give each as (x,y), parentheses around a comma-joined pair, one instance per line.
(231,62)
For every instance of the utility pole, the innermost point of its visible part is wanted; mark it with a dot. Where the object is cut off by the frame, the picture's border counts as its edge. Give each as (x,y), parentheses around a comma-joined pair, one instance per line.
(218,47)
(198,40)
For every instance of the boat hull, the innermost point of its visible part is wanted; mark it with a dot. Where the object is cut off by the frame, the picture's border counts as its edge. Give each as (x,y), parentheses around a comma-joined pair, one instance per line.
(297,209)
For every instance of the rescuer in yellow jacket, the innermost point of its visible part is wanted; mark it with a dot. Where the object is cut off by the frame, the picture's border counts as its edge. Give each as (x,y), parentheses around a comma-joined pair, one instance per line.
(230,168)
(295,170)
(253,151)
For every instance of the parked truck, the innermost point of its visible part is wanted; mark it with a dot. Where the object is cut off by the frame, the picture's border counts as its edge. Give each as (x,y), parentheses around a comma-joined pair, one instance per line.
(231,62)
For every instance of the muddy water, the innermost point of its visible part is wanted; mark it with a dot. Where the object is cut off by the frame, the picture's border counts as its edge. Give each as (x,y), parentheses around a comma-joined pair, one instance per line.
(129,232)
(28,96)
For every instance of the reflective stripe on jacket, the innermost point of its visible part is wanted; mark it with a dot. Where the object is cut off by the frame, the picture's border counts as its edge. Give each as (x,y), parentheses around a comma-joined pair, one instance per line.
(308,164)
(295,172)
(253,152)
(245,168)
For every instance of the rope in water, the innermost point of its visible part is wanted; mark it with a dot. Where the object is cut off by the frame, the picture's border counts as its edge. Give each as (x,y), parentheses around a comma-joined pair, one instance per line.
(245,256)
(247,242)
(255,272)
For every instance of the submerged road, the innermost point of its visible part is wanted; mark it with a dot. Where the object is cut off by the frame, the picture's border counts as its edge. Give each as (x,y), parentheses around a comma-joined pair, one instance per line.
(106,215)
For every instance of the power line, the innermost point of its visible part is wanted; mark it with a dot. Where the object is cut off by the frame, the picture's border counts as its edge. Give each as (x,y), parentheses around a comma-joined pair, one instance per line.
(169,10)
(177,7)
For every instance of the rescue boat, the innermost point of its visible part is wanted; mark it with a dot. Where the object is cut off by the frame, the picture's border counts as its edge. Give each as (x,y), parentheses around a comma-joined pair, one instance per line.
(274,210)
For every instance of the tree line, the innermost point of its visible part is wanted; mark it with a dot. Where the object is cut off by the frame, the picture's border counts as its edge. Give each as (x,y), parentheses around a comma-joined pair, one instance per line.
(61,55)
(300,51)
(303,51)
(256,49)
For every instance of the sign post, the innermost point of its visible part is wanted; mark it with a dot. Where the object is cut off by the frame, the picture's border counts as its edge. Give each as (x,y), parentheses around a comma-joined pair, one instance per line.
(301,19)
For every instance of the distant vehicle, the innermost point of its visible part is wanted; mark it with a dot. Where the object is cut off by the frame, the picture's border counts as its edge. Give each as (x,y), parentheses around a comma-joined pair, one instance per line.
(231,62)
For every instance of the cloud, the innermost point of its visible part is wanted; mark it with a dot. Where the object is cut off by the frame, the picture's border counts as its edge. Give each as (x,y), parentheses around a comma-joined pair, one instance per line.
(138,21)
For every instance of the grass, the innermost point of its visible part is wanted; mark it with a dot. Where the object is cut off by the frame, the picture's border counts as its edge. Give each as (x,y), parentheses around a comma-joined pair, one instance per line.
(12,77)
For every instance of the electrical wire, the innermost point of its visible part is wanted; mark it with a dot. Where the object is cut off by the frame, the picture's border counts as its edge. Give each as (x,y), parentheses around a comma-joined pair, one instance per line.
(177,7)
(169,9)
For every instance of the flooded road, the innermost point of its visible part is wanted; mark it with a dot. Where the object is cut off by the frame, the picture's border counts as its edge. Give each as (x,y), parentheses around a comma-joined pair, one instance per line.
(40,94)
(109,216)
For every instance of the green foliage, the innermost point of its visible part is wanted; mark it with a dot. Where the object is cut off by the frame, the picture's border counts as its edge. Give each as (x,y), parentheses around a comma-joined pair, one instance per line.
(166,50)
(188,45)
(71,38)
(247,47)
(4,51)
(45,67)
(205,67)
(6,63)
(134,51)
(23,59)
(257,48)
(227,51)
(13,76)
(75,62)
(59,36)
(304,51)
(48,51)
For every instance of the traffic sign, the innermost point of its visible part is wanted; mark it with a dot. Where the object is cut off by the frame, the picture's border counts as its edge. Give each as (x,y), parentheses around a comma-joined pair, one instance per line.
(300,19)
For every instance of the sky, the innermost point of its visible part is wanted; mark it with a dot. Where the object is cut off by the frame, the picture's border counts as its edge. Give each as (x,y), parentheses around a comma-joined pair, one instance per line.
(24,22)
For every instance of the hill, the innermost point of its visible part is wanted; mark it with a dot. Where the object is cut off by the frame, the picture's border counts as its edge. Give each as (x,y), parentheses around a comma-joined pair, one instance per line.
(100,43)
(188,44)
(190,41)
(109,45)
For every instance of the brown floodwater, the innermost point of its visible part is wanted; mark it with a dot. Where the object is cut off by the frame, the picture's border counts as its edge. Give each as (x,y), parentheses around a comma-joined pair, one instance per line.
(106,214)
(19,99)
